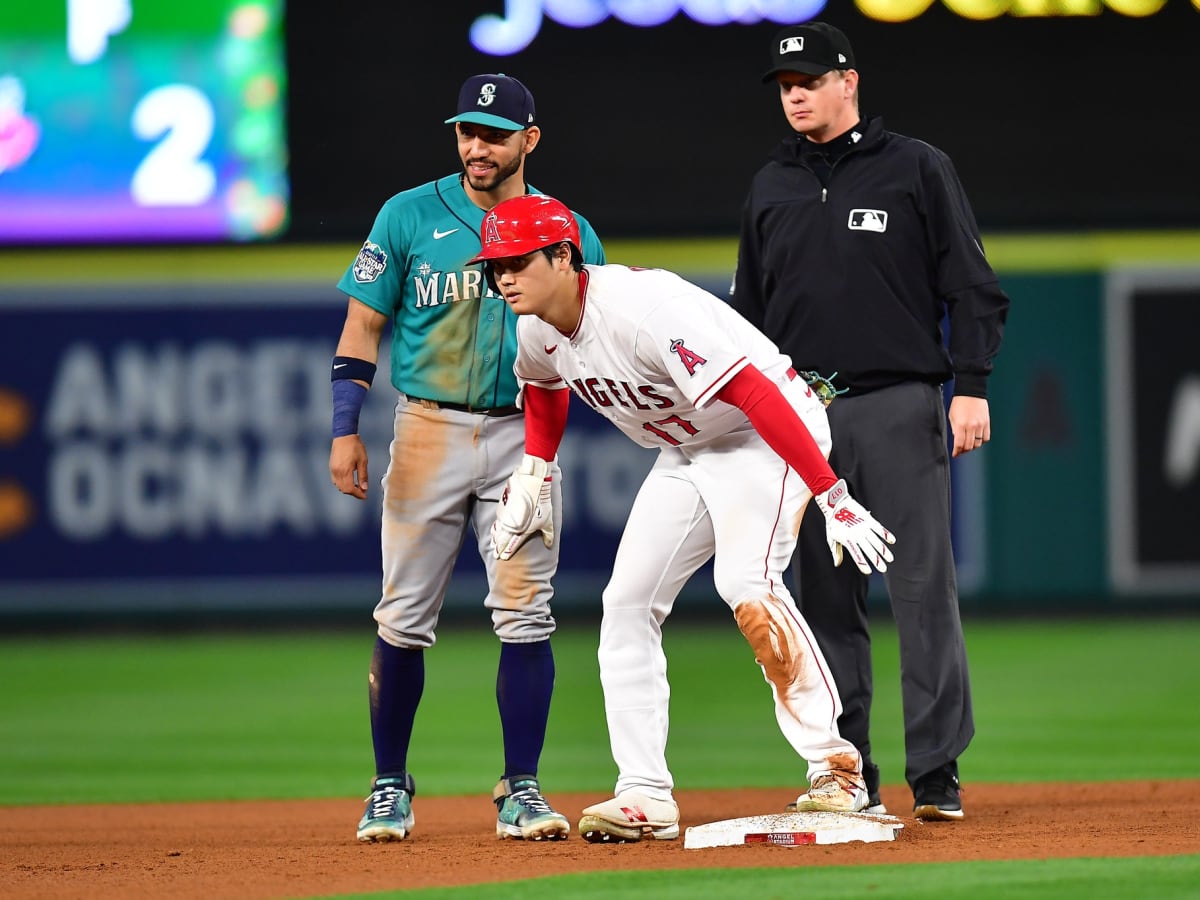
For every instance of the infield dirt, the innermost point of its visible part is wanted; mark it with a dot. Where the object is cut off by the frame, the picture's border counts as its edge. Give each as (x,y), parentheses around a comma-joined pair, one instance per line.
(274,849)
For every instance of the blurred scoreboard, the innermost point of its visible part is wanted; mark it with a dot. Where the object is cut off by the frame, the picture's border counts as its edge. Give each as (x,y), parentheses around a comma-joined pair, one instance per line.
(126,121)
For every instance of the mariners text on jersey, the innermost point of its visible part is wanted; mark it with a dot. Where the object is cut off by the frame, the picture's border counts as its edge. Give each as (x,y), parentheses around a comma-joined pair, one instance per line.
(436,288)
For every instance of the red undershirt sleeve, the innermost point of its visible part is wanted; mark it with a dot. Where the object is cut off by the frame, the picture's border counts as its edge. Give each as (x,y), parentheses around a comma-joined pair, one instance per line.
(773,418)
(545,420)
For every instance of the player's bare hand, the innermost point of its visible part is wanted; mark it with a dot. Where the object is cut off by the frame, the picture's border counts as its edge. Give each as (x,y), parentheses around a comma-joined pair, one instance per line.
(348,465)
(524,509)
(970,424)
(848,525)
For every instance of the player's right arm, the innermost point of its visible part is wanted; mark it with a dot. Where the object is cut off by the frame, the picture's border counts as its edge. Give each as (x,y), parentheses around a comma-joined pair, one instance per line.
(525,506)
(353,367)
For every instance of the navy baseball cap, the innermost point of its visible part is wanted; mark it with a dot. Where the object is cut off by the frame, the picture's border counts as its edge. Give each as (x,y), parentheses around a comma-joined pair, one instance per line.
(496,100)
(813,48)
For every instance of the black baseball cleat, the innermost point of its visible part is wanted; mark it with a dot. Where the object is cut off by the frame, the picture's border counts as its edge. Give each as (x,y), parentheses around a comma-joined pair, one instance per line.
(937,795)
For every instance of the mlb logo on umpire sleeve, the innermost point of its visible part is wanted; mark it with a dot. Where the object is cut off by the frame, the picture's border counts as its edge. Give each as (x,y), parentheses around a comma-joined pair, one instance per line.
(867,220)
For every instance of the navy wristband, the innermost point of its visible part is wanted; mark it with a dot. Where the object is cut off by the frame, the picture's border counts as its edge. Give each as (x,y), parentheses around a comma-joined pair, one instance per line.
(348,397)
(352,368)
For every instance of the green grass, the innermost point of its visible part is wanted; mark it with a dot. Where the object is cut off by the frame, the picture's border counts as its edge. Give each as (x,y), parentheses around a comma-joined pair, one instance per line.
(1163,878)
(191,717)
(110,719)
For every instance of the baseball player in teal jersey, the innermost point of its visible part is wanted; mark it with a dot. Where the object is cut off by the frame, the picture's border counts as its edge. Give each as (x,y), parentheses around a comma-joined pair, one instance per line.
(458,436)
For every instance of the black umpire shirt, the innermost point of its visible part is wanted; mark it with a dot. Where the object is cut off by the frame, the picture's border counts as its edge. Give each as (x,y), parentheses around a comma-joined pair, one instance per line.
(852,253)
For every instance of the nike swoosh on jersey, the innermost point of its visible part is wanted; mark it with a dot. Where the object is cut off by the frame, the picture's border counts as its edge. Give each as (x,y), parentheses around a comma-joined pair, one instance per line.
(438,235)
(549,349)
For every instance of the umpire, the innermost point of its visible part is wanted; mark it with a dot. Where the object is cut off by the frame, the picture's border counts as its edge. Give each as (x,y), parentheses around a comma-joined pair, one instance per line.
(855,244)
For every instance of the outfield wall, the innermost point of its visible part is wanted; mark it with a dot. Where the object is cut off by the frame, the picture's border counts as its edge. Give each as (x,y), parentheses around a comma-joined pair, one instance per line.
(164,438)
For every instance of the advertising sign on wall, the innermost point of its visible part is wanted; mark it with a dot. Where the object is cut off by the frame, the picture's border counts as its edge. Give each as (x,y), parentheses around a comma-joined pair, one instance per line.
(164,448)
(167,448)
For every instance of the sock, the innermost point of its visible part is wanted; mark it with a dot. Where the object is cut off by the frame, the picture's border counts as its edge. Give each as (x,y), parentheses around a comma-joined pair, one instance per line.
(397,682)
(524,683)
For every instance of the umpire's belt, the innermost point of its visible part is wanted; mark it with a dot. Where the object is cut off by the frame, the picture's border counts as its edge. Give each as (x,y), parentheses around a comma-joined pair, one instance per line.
(494,412)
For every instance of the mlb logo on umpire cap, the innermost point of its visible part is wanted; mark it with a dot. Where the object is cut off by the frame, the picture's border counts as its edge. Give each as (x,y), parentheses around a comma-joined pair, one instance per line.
(812,49)
(497,100)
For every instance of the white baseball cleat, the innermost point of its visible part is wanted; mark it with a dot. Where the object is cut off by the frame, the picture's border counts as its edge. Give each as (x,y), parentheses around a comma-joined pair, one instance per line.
(834,792)
(629,817)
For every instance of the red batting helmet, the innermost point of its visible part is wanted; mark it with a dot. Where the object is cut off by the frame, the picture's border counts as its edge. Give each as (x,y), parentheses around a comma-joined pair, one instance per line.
(524,224)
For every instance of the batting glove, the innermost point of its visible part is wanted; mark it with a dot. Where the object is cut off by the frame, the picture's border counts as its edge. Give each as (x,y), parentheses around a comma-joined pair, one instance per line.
(850,526)
(524,508)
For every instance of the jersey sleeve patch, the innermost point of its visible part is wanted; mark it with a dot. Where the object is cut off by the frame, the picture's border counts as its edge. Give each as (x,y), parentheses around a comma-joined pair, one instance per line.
(370,263)
(690,359)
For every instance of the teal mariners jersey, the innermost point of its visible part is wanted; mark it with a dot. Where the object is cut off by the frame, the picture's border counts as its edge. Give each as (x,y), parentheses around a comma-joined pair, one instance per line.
(453,339)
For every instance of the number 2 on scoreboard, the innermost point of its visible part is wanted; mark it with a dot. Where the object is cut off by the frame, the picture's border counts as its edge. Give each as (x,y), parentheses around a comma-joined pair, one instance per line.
(173,174)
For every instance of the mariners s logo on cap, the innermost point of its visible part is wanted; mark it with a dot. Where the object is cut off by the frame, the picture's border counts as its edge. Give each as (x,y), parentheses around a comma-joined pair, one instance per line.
(496,100)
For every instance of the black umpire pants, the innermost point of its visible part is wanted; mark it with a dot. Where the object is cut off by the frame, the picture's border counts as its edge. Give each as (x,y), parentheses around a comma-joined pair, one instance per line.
(890,446)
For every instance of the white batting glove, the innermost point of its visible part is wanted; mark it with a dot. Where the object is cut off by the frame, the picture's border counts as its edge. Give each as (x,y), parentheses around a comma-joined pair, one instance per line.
(850,526)
(524,508)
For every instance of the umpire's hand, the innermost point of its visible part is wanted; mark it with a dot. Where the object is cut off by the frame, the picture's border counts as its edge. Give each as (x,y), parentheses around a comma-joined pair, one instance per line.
(970,424)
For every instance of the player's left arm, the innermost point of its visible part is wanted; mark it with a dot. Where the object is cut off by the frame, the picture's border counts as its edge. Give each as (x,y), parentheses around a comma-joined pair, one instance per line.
(847,524)
(775,419)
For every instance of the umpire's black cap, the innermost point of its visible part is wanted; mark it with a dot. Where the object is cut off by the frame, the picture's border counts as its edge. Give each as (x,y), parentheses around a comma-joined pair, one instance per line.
(497,100)
(812,48)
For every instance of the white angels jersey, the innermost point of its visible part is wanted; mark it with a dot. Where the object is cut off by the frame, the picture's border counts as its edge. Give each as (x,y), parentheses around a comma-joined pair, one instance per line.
(650,353)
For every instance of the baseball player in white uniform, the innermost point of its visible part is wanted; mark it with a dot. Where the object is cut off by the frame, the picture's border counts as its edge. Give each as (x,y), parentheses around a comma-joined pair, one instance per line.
(742,447)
